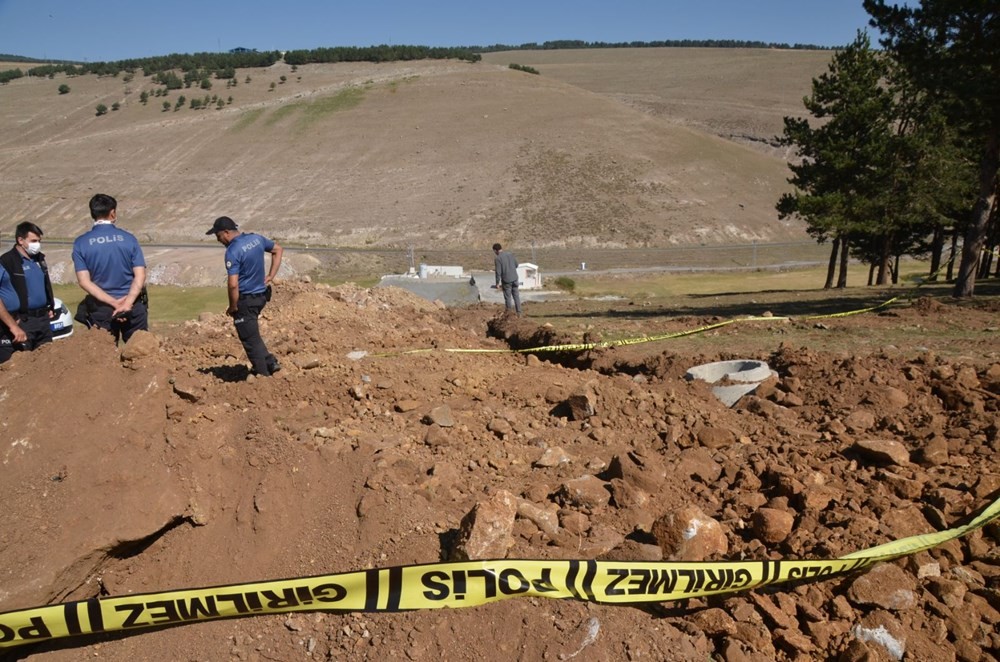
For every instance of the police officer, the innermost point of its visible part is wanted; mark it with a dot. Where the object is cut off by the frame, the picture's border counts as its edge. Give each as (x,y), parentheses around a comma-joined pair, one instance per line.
(249,289)
(11,333)
(29,277)
(111,269)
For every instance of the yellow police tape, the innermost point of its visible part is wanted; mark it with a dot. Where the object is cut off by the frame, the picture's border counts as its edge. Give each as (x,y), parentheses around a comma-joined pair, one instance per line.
(448,585)
(582,347)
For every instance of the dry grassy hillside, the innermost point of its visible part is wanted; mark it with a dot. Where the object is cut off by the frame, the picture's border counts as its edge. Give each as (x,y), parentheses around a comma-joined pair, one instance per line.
(428,153)
(741,94)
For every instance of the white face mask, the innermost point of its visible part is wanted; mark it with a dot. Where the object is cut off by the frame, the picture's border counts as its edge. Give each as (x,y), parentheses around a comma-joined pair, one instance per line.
(34,247)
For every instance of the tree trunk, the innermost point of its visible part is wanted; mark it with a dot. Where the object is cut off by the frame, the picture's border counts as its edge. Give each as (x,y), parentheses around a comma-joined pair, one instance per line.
(883,259)
(895,270)
(871,274)
(976,234)
(951,258)
(985,264)
(831,268)
(937,246)
(991,254)
(842,277)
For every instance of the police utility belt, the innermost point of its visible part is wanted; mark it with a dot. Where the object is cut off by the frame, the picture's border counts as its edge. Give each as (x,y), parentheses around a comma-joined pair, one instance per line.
(266,294)
(35,312)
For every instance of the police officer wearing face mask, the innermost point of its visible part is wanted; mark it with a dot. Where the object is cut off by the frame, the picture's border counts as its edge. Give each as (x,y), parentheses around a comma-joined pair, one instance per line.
(28,277)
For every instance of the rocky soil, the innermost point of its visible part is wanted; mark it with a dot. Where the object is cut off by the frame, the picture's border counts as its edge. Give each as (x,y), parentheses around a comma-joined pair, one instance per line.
(165,465)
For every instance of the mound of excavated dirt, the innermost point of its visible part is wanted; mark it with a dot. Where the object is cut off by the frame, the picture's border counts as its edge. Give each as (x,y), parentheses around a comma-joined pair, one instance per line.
(166,466)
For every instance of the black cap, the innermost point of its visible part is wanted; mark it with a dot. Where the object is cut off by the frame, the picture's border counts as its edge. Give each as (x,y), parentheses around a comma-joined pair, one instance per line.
(223,223)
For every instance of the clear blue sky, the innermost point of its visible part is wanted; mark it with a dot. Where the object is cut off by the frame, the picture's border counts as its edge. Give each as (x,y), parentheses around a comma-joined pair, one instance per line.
(92,30)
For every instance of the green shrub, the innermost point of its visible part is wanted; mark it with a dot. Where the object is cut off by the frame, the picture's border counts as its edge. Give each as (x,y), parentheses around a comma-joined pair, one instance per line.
(525,68)
(166,106)
(143,97)
(9,75)
(115,106)
(168,79)
(101,109)
(64,89)
(564,283)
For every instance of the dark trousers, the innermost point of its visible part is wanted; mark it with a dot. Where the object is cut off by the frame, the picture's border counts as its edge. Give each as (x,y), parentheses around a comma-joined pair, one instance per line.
(248,309)
(94,313)
(511,298)
(36,327)
(7,346)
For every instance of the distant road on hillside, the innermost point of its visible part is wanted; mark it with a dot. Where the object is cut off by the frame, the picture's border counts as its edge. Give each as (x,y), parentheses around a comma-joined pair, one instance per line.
(560,261)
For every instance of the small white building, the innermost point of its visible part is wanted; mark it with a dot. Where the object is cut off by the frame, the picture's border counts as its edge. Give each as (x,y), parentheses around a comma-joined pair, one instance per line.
(528,276)
(429,270)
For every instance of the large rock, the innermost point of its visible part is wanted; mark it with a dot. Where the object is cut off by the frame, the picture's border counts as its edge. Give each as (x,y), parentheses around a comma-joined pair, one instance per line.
(883,451)
(586,492)
(440,416)
(580,405)
(860,420)
(142,344)
(546,520)
(645,471)
(698,463)
(715,437)
(887,586)
(934,451)
(553,457)
(485,532)
(688,534)
(879,632)
(771,525)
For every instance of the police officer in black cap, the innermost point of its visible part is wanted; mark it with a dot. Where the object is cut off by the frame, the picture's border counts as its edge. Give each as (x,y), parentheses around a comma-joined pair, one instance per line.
(249,287)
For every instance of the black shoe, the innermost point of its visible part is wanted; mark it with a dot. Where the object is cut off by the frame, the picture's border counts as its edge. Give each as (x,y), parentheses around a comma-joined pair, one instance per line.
(274,367)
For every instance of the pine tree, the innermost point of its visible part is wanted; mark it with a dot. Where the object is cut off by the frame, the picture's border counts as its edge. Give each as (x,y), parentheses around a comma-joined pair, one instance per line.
(835,180)
(950,48)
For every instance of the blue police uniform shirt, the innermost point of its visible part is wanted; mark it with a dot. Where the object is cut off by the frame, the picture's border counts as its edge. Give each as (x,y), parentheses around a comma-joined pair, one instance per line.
(245,257)
(7,293)
(34,279)
(109,254)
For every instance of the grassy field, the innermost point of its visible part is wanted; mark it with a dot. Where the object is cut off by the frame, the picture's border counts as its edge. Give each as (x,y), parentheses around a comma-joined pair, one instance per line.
(171,305)
(168,306)
(632,286)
